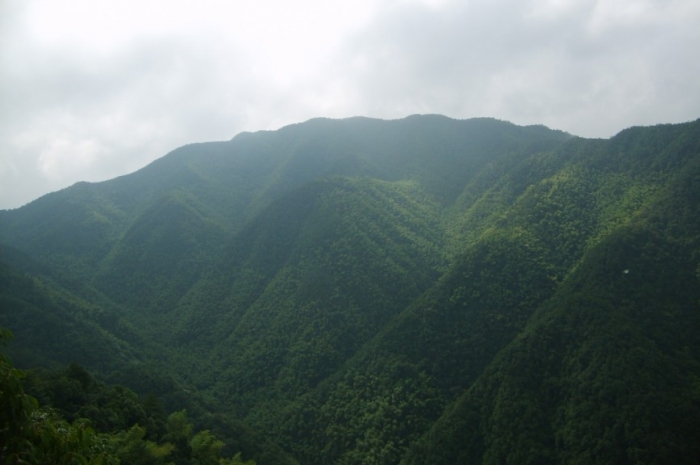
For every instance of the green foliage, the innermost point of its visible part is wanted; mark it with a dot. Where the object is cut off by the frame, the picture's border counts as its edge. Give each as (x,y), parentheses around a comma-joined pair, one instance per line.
(603,373)
(205,448)
(360,291)
(29,434)
(130,447)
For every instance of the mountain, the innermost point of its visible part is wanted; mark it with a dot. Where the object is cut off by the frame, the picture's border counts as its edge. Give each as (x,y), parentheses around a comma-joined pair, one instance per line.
(423,290)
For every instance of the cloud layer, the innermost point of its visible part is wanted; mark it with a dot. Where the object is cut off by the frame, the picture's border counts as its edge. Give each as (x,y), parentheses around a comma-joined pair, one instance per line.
(90,91)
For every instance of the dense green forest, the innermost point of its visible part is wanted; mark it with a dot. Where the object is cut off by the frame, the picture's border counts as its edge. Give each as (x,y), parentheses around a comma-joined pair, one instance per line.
(417,291)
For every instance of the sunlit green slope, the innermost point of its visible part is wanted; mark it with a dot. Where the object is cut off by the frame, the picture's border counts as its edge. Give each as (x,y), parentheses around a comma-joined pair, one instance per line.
(607,370)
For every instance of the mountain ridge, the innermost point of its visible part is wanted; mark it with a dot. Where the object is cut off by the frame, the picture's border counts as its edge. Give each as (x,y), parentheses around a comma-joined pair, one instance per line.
(368,291)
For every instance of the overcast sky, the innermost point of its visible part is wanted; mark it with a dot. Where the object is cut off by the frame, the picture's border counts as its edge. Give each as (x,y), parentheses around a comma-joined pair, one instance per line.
(90,90)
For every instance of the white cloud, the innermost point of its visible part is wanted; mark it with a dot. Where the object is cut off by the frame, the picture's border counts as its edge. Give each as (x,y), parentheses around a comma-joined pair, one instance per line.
(591,68)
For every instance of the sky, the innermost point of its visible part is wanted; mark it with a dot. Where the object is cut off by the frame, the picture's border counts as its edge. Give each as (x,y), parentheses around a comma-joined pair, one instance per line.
(93,90)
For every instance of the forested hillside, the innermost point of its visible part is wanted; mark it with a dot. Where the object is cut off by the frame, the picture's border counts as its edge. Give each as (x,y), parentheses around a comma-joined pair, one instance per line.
(423,290)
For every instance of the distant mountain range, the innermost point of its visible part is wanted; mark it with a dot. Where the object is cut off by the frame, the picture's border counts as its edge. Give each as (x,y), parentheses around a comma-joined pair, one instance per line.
(360,291)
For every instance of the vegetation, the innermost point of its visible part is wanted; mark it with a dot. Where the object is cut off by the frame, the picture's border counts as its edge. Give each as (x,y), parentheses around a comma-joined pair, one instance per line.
(106,424)
(361,291)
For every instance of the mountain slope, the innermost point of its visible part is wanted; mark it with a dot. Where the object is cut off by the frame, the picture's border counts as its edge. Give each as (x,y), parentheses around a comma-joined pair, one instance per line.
(607,372)
(607,369)
(425,290)
(514,260)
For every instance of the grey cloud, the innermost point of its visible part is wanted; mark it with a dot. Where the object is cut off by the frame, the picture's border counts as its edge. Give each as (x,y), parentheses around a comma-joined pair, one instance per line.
(125,110)
(583,70)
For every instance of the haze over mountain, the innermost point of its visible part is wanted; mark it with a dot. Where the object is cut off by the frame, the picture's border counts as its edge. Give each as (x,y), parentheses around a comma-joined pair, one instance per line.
(423,290)
(95,90)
